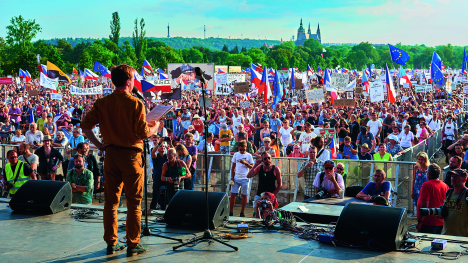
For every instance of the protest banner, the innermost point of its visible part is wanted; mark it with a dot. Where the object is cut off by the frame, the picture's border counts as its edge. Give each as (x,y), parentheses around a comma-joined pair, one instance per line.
(465,104)
(405,85)
(55,96)
(376,91)
(358,90)
(6,80)
(422,88)
(465,89)
(235,69)
(33,92)
(241,87)
(88,91)
(235,78)
(47,82)
(344,103)
(222,68)
(299,93)
(298,84)
(339,81)
(245,104)
(315,96)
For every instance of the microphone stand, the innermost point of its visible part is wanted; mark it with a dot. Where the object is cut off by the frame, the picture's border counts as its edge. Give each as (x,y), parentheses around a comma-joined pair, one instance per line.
(146,231)
(207,235)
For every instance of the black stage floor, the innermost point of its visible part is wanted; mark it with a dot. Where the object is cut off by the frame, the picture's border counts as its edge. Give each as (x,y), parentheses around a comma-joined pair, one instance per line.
(61,238)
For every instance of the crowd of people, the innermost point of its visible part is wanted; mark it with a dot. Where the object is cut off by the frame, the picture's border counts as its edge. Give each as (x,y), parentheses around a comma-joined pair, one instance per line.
(293,128)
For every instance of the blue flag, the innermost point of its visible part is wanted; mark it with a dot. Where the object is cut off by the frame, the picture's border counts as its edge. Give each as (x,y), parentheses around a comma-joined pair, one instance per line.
(293,81)
(276,90)
(370,71)
(437,61)
(465,60)
(438,76)
(101,69)
(398,55)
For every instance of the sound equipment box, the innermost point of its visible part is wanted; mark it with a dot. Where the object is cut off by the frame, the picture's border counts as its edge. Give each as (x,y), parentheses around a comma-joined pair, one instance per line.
(47,197)
(188,208)
(373,225)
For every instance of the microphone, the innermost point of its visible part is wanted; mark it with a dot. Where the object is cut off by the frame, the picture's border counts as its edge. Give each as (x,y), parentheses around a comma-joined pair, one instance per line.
(138,94)
(199,74)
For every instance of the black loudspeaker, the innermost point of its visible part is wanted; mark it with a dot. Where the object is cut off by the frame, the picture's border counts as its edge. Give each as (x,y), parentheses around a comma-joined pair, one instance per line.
(188,208)
(48,197)
(371,225)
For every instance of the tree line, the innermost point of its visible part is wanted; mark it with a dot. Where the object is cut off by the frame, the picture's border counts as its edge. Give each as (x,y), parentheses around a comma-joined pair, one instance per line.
(18,50)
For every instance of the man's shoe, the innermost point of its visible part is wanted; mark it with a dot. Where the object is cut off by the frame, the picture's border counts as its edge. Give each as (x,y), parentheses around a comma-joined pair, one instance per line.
(231,213)
(112,249)
(133,251)
(242,214)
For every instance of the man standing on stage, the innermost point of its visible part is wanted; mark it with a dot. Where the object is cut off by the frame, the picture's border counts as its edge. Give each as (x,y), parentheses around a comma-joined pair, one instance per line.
(122,120)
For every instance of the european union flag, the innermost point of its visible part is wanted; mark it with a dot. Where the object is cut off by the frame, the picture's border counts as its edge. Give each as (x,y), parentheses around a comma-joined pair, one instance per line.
(438,76)
(398,56)
(101,69)
(437,61)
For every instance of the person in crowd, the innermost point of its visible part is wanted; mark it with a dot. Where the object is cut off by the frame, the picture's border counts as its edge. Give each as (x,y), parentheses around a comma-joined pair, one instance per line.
(81,181)
(419,175)
(50,160)
(348,149)
(242,162)
(34,137)
(178,128)
(309,169)
(68,131)
(159,158)
(40,122)
(90,162)
(364,154)
(50,125)
(432,194)
(225,136)
(329,179)
(434,122)
(64,120)
(192,150)
(378,187)
(269,179)
(209,143)
(455,223)
(74,141)
(382,154)
(198,124)
(195,134)
(17,138)
(354,128)
(342,129)
(174,172)
(161,132)
(366,137)
(454,163)
(265,132)
(285,133)
(449,134)
(60,140)
(13,179)
(340,169)
(413,120)
(306,137)
(296,152)
(387,123)
(237,120)
(242,137)
(275,144)
(25,155)
(240,129)
(322,153)
(393,145)
(184,155)
(267,148)
(249,130)
(375,125)
(15,114)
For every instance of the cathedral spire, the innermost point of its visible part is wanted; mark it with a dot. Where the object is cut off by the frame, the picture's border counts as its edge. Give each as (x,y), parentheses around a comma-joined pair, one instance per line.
(308,31)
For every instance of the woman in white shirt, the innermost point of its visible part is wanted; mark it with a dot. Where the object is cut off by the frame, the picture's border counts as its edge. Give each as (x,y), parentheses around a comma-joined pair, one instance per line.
(285,133)
(17,138)
(406,137)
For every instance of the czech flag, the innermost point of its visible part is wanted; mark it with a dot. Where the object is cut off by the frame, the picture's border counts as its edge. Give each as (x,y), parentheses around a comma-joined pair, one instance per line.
(271,71)
(402,76)
(160,70)
(255,79)
(220,71)
(256,67)
(391,94)
(163,76)
(101,69)
(143,73)
(309,69)
(365,82)
(265,87)
(156,85)
(344,70)
(42,68)
(137,81)
(81,74)
(88,74)
(25,75)
(146,65)
(333,149)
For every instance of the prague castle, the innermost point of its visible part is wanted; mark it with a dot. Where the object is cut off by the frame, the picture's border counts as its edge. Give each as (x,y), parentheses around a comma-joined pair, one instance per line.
(302,36)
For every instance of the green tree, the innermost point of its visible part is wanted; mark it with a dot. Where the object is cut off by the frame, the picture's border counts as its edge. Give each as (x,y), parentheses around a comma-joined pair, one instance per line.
(115,28)
(225,48)
(239,60)
(101,54)
(244,50)
(26,60)
(139,40)
(257,55)
(21,32)
(85,61)
(234,50)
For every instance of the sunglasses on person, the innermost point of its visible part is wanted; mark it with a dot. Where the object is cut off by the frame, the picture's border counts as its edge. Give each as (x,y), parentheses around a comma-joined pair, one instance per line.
(329,168)
(339,168)
(266,158)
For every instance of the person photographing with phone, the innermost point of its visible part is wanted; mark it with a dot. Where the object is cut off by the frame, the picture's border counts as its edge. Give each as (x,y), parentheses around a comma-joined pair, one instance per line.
(122,121)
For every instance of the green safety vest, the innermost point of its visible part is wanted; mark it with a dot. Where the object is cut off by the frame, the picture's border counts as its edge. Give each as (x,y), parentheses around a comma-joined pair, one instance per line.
(11,176)
(381,166)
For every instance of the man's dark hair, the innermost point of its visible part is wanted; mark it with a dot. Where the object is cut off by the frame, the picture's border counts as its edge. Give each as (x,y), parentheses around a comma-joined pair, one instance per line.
(80,145)
(382,172)
(120,74)
(434,171)
(242,144)
(25,145)
(78,155)
(11,151)
(209,134)
(458,158)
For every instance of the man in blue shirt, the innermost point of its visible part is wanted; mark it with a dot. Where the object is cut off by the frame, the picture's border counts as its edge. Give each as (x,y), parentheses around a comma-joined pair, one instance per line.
(275,122)
(378,187)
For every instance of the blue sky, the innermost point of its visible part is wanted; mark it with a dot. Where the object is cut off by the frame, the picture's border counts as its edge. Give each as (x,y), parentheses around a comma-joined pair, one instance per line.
(431,23)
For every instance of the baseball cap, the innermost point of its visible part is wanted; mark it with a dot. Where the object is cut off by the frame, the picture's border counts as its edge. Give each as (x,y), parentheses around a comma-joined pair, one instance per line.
(393,137)
(365,145)
(320,122)
(329,164)
(224,125)
(459,171)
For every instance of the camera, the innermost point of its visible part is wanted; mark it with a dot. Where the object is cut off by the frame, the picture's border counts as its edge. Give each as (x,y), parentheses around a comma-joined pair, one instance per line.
(35,143)
(265,204)
(440,211)
(322,193)
(176,183)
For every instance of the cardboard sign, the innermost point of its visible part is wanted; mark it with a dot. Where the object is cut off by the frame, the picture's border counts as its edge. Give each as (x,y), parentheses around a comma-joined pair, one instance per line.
(235,69)
(339,81)
(299,93)
(406,85)
(465,104)
(245,104)
(241,87)
(32,93)
(55,96)
(358,90)
(6,80)
(344,103)
(315,96)
(350,95)
(376,91)
(298,84)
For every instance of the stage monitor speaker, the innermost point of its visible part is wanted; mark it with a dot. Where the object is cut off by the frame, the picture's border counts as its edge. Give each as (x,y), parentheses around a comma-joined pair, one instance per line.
(48,197)
(188,208)
(373,225)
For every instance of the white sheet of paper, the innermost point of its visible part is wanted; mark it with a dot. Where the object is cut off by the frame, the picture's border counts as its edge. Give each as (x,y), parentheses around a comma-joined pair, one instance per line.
(158,112)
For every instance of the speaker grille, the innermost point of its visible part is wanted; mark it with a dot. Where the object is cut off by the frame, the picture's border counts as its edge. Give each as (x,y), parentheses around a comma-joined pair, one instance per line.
(384,226)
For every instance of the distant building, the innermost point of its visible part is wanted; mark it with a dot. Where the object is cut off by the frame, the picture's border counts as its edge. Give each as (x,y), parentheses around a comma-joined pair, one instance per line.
(302,36)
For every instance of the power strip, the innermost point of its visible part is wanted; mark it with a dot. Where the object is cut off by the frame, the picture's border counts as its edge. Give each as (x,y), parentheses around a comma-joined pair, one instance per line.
(326,238)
